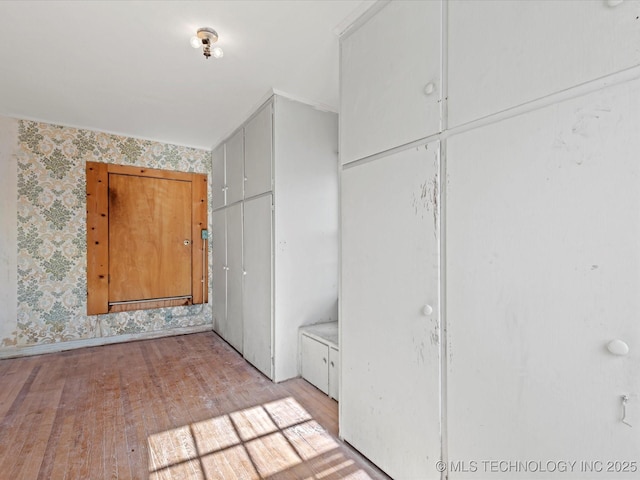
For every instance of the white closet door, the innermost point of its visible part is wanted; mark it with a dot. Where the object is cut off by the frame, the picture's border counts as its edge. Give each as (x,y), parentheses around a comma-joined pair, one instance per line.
(234,276)
(258,148)
(218,177)
(396,57)
(234,166)
(506,53)
(219,246)
(257,299)
(389,312)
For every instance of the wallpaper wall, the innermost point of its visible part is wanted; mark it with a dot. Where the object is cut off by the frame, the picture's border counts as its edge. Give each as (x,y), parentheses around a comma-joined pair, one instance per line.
(51,233)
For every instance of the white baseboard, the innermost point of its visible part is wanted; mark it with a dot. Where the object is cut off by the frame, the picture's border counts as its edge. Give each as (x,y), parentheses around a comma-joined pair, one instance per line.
(27,350)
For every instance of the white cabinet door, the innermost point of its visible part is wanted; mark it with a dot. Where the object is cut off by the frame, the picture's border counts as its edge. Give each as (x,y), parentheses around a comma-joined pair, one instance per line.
(257,299)
(219,274)
(258,134)
(505,53)
(542,272)
(234,167)
(389,341)
(315,362)
(385,68)
(334,373)
(234,276)
(218,177)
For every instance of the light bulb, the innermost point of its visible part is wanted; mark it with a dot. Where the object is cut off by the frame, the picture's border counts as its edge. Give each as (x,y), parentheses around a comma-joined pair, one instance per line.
(195,42)
(217,52)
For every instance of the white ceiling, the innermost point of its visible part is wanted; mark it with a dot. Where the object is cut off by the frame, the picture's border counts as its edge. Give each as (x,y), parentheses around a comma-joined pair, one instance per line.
(127,67)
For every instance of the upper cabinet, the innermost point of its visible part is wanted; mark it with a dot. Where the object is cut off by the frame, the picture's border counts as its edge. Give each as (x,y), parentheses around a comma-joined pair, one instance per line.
(258,150)
(396,54)
(218,183)
(506,53)
(234,167)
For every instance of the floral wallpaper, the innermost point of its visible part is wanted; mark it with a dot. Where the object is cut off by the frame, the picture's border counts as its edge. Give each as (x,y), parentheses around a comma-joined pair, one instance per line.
(52,232)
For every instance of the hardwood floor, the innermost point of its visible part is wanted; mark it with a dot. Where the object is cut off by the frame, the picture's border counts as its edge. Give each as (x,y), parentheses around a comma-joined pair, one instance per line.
(186,407)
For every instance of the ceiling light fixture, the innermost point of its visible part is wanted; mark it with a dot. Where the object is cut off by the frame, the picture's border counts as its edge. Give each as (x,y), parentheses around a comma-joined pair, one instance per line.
(205,38)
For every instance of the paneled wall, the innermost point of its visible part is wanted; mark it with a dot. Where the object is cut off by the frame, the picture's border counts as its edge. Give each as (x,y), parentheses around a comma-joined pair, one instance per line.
(43,249)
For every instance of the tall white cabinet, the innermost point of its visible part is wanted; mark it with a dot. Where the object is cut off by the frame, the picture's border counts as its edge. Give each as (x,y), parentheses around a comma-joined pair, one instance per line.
(278,242)
(490,231)
(389,304)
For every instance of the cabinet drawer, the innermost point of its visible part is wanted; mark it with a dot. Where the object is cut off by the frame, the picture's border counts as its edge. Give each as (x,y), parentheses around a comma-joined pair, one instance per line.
(315,363)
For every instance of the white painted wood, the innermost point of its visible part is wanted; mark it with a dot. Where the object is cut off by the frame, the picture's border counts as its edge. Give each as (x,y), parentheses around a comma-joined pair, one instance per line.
(334,373)
(257,293)
(323,332)
(542,272)
(505,53)
(258,142)
(315,363)
(9,234)
(306,225)
(233,330)
(389,349)
(396,54)
(219,274)
(218,181)
(234,167)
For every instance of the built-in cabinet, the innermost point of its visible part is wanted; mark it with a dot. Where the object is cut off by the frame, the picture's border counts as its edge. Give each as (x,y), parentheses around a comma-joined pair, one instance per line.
(396,54)
(484,269)
(320,357)
(269,283)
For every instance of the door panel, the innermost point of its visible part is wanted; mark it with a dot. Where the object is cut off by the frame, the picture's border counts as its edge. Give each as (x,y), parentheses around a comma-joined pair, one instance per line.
(234,276)
(393,109)
(334,373)
(218,181)
(389,346)
(234,167)
(219,246)
(257,154)
(149,222)
(315,363)
(549,275)
(257,299)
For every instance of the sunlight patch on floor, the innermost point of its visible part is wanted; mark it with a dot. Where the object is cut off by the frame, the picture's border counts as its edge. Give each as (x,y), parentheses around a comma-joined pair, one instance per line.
(276,440)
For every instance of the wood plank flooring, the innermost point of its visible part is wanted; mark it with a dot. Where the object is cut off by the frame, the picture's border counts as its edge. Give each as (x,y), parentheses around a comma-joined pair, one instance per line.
(186,407)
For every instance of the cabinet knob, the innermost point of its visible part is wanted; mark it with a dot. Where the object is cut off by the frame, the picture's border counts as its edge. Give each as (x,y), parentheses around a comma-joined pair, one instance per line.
(324,360)
(244,272)
(333,364)
(427,310)
(429,88)
(245,179)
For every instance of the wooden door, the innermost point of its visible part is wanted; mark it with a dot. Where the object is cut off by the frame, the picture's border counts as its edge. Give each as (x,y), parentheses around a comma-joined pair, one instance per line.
(149,238)
(390,351)
(258,142)
(257,298)
(233,328)
(219,247)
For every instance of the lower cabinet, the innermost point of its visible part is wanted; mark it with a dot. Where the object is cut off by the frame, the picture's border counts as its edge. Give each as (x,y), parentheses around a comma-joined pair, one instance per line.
(319,357)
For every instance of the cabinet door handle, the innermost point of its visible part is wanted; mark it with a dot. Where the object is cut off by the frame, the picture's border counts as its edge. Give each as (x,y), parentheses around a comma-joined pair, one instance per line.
(324,360)
(333,364)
